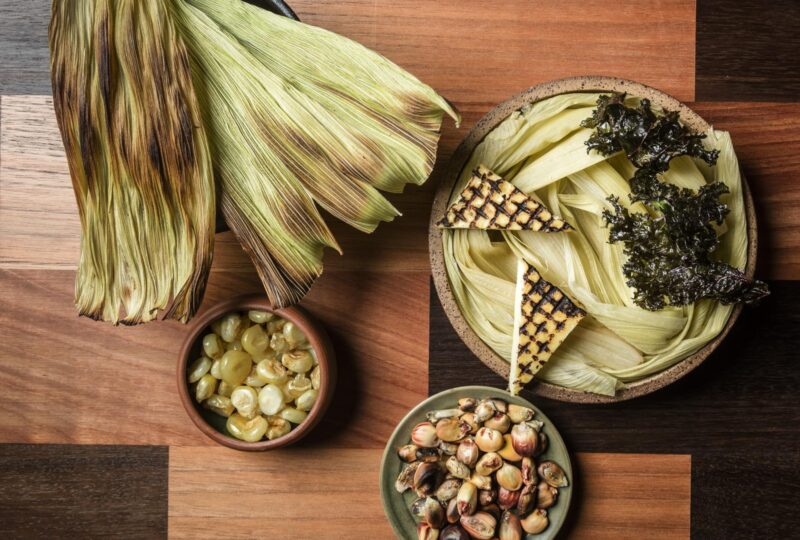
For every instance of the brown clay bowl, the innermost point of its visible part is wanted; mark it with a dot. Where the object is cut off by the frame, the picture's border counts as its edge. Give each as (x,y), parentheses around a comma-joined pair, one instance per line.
(453,170)
(212,424)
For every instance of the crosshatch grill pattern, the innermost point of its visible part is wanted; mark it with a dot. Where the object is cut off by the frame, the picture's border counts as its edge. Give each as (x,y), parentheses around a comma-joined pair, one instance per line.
(547,316)
(490,203)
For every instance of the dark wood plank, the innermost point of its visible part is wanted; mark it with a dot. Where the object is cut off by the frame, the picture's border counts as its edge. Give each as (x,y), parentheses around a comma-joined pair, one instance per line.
(744,495)
(24,56)
(58,491)
(743,394)
(737,415)
(767,141)
(748,51)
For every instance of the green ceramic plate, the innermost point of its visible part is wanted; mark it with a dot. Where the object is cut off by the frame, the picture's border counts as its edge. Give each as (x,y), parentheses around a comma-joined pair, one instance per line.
(397,505)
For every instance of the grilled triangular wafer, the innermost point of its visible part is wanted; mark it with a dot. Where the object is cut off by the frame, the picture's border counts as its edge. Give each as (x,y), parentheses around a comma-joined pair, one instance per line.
(490,203)
(543,318)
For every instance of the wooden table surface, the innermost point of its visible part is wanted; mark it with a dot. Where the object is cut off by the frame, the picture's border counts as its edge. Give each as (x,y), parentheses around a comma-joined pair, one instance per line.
(94,441)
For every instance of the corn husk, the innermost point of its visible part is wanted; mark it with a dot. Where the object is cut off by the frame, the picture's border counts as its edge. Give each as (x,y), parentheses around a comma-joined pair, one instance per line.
(300,116)
(138,158)
(618,342)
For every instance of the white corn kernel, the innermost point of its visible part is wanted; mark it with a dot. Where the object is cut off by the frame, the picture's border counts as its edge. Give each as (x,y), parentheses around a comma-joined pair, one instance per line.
(254,379)
(231,327)
(316,376)
(219,404)
(199,367)
(270,399)
(250,430)
(260,317)
(272,372)
(212,346)
(205,387)
(245,399)
(278,428)
(225,389)
(216,369)
(235,367)
(293,415)
(298,361)
(306,401)
(297,386)
(293,335)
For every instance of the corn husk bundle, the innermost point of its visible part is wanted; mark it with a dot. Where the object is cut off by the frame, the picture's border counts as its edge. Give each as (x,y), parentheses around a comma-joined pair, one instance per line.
(541,150)
(139,161)
(295,117)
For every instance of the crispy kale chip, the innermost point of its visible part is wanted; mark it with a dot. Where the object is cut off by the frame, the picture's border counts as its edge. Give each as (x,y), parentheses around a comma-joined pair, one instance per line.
(668,255)
(668,248)
(650,141)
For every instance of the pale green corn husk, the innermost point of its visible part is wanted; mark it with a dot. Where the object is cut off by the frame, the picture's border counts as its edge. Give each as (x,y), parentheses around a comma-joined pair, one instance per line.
(541,150)
(138,158)
(299,116)
(386,109)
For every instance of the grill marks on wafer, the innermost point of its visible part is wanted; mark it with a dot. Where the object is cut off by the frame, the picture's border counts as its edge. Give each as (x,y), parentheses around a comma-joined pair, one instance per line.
(490,203)
(543,318)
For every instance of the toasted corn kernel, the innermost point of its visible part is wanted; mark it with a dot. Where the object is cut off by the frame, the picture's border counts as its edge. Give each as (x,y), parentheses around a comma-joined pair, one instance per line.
(235,367)
(231,327)
(225,389)
(307,399)
(219,404)
(299,361)
(250,430)
(272,371)
(254,379)
(298,386)
(199,367)
(278,428)
(270,399)
(275,325)
(293,415)
(216,369)
(255,340)
(212,346)
(278,343)
(260,317)
(245,399)
(294,336)
(205,387)
(234,346)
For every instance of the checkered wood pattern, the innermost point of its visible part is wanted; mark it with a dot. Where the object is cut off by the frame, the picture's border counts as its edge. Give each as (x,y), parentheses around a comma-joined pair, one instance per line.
(94,442)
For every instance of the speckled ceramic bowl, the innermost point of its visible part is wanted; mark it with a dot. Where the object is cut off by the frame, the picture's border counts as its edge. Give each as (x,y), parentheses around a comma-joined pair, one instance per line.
(397,505)
(453,170)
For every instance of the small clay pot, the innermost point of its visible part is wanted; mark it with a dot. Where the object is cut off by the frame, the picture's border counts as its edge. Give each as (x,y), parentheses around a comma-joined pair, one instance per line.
(319,341)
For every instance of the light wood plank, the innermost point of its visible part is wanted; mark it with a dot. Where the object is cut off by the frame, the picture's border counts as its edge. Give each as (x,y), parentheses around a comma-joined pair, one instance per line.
(73,380)
(622,495)
(334,494)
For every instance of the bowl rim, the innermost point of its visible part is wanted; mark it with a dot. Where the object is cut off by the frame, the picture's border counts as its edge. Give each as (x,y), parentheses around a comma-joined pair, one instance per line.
(317,337)
(453,169)
(390,453)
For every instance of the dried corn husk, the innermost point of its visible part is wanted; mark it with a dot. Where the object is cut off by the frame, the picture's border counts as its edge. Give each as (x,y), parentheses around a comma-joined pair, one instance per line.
(138,158)
(538,149)
(299,116)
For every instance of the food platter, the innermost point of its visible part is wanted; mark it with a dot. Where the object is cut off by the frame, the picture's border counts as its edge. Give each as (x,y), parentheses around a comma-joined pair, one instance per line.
(396,505)
(452,172)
